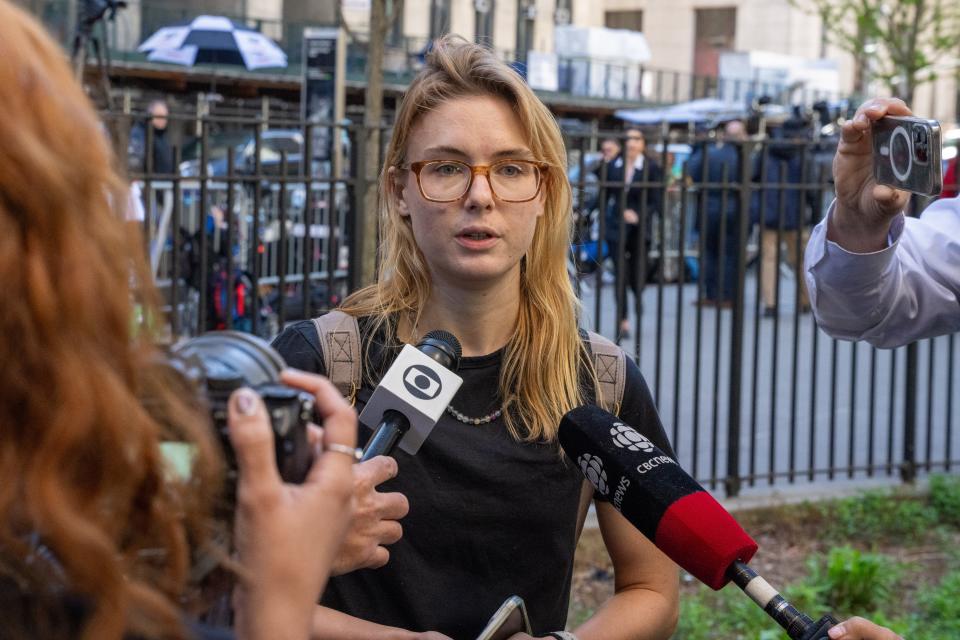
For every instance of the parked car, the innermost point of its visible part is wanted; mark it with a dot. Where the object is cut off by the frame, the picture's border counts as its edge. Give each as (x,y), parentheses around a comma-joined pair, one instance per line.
(273,143)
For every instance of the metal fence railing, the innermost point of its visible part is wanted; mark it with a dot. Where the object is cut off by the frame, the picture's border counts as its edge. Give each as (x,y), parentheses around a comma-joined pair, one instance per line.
(751,391)
(251,228)
(254,227)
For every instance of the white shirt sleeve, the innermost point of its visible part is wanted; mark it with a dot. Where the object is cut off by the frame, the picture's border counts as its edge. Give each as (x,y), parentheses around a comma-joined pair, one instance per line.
(908,291)
(135,211)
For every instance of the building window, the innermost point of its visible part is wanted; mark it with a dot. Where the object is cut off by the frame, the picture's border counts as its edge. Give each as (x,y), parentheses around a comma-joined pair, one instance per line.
(484,22)
(716,33)
(632,20)
(563,14)
(439,18)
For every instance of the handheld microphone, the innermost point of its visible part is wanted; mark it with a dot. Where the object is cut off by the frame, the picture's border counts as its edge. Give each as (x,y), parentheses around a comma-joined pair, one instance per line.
(413,394)
(674,512)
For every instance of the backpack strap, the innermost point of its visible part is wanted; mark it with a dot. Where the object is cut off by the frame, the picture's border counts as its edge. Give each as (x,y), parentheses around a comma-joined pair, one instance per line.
(610,363)
(340,343)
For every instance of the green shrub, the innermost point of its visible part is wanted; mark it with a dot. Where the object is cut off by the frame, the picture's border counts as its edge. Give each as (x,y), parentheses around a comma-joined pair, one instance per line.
(945,498)
(855,581)
(877,516)
(940,610)
(727,614)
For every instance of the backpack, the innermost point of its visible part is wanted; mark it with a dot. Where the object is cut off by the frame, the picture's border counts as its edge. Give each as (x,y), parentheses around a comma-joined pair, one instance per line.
(340,343)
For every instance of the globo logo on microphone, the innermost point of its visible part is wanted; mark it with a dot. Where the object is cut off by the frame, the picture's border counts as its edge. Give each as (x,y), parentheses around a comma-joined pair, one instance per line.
(422,382)
(419,388)
(626,437)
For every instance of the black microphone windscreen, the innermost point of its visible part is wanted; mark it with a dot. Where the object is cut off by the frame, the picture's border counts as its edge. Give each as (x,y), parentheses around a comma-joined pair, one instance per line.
(655,494)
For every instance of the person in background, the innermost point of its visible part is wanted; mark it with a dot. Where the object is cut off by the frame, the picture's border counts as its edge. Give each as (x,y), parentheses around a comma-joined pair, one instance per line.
(780,208)
(716,163)
(640,176)
(873,273)
(161,153)
(97,537)
(609,150)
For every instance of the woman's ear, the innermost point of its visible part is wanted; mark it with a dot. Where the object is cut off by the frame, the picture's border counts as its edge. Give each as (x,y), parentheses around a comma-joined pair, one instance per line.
(397,190)
(541,203)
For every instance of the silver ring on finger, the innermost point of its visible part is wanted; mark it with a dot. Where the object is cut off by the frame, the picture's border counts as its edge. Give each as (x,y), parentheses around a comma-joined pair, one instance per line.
(344,449)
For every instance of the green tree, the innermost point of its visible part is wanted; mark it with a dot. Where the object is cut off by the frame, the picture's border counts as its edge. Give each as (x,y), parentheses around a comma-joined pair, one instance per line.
(897,41)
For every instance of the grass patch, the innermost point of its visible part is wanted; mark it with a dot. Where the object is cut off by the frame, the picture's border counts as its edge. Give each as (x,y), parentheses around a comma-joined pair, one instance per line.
(890,556)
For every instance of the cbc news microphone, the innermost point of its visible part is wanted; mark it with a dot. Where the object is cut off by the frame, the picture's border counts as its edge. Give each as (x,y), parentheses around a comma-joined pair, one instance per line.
(412,395)
(674,512)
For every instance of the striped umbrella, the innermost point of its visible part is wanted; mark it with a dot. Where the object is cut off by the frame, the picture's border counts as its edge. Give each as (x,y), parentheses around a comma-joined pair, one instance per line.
(213,39)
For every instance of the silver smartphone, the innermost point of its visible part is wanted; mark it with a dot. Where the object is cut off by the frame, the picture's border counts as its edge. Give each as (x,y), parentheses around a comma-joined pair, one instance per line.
(906,154)
(509,619)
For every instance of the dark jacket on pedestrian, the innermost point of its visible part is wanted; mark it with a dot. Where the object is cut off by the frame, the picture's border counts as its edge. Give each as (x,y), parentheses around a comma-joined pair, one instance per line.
(646,184)
(782,167)
(137,151)
(722,165)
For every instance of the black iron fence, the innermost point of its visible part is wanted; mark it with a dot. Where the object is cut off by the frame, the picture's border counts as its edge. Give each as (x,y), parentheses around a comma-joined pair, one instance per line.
(248,225)
(253,225)
(751,391)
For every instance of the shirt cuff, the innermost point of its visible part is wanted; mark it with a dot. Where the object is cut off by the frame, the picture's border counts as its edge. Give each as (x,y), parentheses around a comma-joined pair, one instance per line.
(858,268)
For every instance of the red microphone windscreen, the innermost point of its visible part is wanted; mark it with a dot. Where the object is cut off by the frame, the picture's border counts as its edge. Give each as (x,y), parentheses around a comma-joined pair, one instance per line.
(703,538)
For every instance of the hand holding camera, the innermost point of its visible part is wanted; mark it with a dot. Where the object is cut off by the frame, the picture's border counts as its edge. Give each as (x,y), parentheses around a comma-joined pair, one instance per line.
(280,527)
(878,159)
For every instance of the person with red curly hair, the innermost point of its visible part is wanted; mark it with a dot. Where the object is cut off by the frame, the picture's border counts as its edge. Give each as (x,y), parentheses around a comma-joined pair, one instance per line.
(97,541)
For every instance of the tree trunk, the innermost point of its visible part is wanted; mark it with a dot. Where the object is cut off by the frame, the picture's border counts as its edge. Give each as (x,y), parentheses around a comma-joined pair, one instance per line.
(373,108)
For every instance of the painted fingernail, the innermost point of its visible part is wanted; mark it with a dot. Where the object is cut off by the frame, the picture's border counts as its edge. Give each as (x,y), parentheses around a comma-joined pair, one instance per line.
(245,401)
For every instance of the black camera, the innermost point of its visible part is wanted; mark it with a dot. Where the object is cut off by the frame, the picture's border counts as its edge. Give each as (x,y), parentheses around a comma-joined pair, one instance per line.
(220,362)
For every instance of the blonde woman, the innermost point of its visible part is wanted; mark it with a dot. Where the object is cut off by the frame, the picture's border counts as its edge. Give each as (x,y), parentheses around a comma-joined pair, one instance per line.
(475,215)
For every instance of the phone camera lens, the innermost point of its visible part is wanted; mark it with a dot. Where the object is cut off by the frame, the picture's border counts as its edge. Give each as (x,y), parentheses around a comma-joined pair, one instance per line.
(921,146)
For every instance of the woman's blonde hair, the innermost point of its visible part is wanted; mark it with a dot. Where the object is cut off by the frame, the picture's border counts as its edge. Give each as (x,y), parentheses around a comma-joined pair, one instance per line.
(80,463)
(539,377)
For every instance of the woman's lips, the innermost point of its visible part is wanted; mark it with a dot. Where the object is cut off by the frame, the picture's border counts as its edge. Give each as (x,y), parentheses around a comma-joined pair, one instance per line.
(476,239)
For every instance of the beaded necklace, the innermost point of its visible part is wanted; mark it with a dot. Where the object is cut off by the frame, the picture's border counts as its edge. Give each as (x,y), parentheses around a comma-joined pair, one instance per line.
(465,419)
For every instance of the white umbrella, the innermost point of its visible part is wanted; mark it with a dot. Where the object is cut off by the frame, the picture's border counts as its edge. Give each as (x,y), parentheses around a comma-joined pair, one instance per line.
(213,39)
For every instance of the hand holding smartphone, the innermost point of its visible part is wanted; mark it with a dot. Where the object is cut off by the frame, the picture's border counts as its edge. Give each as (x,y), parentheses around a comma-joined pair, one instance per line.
(906,154)
(509,619)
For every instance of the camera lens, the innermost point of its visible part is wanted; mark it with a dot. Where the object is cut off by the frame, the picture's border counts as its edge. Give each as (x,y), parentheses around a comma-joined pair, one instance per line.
(921,146)
(901,159)
(222,361)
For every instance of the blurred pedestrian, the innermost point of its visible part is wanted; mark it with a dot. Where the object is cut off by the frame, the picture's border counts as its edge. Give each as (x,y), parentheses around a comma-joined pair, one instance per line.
(779,207)
(640,176)
(161,151)
(609,149)
(719,162)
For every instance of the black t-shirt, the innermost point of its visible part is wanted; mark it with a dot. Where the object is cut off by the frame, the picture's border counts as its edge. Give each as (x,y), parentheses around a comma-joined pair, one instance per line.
(489,517)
